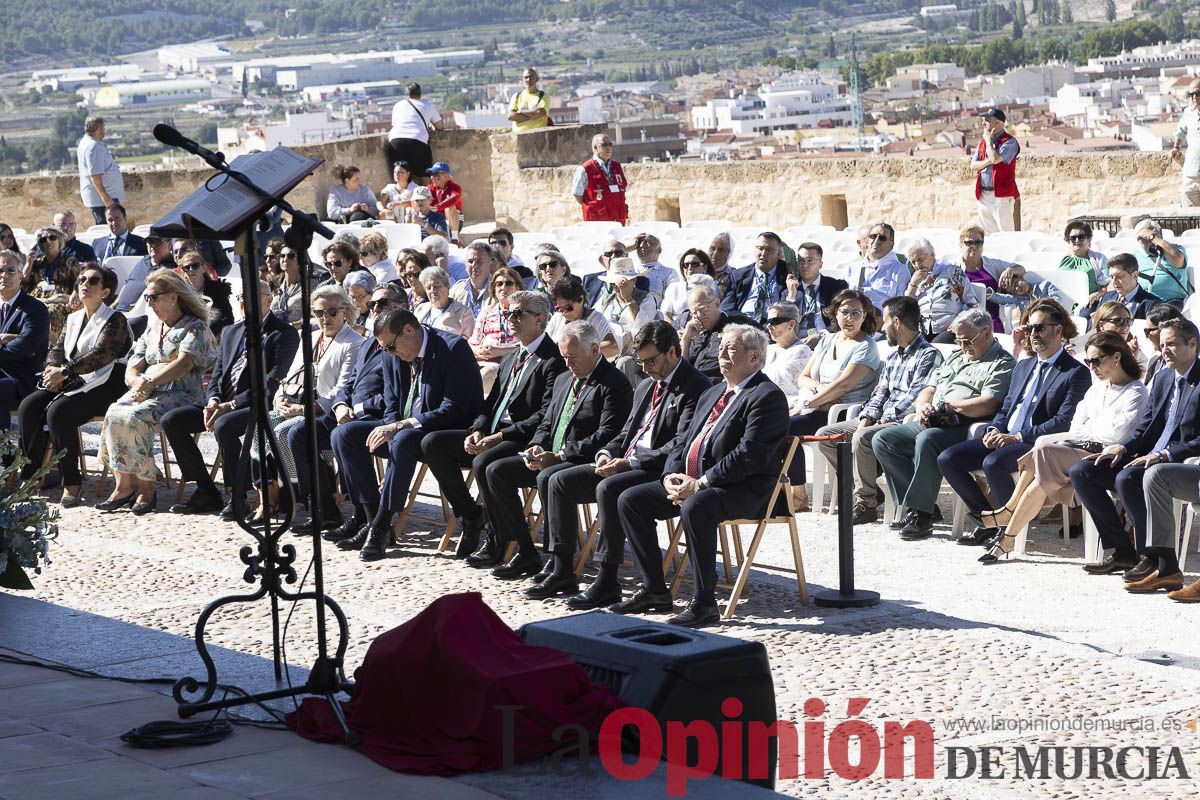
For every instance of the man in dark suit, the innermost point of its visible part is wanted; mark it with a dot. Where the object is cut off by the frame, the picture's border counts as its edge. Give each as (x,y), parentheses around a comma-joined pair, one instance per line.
(1041,399)
(662,407)
(814,292)
(358,406)
(755,287)
(590,402)
(228,412)
(24,338)
(1168,432)
(119,241)
(430,382)
(65,221)
(701,337)
(724,466)
(509,417)
(1124,289)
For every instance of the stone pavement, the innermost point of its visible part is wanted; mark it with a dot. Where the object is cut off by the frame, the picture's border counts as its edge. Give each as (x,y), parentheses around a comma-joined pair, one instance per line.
(999,656)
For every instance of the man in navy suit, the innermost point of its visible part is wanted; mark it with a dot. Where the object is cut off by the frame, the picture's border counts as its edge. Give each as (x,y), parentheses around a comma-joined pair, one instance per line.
(589,404)
(724,466)
(227,412)
(1169,432)
(753,288)
(1041,399)
(357,408)
(431,382)
(814,292)
(1124,289)
(509,418)
(24,338)
(119,241)
(662,408)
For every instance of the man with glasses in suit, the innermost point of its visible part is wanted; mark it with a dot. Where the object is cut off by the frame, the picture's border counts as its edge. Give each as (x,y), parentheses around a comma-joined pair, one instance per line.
(24,338)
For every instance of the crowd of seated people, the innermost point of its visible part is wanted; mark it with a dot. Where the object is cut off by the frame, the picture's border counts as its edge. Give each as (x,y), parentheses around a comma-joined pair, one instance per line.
(653,391)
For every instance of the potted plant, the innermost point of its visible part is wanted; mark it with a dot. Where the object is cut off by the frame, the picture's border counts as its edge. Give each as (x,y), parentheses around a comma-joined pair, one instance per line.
(27,522)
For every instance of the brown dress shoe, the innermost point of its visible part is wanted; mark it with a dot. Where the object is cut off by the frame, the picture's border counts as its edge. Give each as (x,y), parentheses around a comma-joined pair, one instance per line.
(1152,583)
(1188,594)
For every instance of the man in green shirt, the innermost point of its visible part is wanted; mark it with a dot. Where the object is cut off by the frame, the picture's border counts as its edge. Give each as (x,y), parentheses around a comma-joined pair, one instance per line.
(969,387)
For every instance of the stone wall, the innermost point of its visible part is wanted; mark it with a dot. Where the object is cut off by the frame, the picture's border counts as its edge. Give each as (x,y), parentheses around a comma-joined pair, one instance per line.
(523,181)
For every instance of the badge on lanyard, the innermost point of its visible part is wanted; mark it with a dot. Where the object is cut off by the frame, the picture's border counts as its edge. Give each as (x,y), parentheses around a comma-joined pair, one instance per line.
(613,188)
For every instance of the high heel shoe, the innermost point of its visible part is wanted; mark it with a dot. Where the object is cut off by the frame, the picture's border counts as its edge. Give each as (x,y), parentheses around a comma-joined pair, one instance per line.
(1002,549)
(116,503)
(147,507)
(996,519)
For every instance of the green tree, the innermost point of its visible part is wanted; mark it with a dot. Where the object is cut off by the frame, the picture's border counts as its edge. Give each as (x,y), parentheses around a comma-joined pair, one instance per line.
(1018,31)
(1067,17)
(1110,10)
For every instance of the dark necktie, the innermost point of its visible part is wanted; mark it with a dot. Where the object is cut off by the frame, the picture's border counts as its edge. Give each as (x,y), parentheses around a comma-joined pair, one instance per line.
(509,389)
(660,390)
(760,303)
(239,366)
(697,449)
(5,310)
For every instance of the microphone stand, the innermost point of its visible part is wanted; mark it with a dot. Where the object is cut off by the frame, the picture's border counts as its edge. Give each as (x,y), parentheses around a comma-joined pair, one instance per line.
(273,566)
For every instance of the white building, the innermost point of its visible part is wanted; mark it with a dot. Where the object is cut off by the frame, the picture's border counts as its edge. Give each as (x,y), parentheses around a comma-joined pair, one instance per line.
(942,74)
(796,100)
(1082,105)
(296,129)
(149,93)
(193,58)
(1148,60)
(943,10)
(68,80)
(1033,85)
(352,91)
(495,116)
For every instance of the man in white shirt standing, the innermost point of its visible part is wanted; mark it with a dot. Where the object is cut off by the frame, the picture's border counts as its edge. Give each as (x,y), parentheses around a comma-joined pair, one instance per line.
(100,181)
(412,121)
(1189,131)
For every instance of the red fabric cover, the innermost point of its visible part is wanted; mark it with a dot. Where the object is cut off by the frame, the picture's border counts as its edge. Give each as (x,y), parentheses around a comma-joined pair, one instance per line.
(428,693)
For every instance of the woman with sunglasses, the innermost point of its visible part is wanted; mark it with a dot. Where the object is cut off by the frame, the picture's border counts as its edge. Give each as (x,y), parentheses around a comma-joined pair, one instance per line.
(165,371)
(569,300)
(843,369)
(373,250)
(47,259)
(492,338)
(694,261)
(359,285)
(334,343)
(1081,257)
(1114,317)
(271,269)
(286,304)
(8,241)
(442,311)
(412,263)
(216,292)
(1107,414)
(84,375)
(340,259)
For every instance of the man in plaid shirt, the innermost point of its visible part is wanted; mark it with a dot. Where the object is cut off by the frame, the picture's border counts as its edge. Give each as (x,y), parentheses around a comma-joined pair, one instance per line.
(904,374)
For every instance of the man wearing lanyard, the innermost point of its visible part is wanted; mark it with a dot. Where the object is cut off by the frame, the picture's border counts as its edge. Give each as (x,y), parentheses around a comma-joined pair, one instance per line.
(430,382)
(509,417)
(662,406)
(812,292)
(723,466)
(599,185)
(1041,399)
(472,290)
(754,287)
(590,402)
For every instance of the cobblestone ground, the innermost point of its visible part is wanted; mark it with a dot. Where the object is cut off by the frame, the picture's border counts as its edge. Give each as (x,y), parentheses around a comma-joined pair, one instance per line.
(977,652)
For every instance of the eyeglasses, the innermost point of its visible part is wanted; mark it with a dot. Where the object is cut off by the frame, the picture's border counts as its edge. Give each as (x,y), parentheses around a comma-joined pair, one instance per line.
(879,237)
(9,270)
(271,257)
(503,283)
(1038,327)
(781,320)
(191,267)
(961,342)
(1120,322)
(514,313)
(1094,362)
(693,264)
(391,348)
(287,256)
(48,239)
(380,304)
(89,280)
(1193,94)
(1079,237)
(972,242)
(152,297)
(564,308)
(336,262)
(548,264)
(322,313)
(851,313)
(614,253)
(646,362)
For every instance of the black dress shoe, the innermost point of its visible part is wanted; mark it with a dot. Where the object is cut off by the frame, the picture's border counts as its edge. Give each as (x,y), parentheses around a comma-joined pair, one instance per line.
(978,537)
(227,511)
(488,554)
(358,540)
(643,601)
(331,519)
(595,596)
(521,566)
(347,530)
(1112,563)
(148,507)
(378,539)
(695,616)
(908,517)
(1142,569)
(202,501)
(553,586)
(547,569)
(919,527)
(116,503)
(472,529)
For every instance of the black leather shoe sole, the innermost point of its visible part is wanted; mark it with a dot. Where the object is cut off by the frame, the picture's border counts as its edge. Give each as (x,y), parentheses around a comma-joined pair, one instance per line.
(588,600)
(515,570)
(696,617)
(553,588)
(645,604)
(370,553)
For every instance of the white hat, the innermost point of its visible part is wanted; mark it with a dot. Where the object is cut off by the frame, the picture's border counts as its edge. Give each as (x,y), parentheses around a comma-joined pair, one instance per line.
(619,269)
(420,193)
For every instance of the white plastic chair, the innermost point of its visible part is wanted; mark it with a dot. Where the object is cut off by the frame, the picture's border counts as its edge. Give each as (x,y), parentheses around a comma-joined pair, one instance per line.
(822,468)
(713,225)
(122,265)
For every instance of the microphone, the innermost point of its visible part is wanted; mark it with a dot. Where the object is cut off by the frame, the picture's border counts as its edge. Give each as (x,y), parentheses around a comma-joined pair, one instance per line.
(173,138)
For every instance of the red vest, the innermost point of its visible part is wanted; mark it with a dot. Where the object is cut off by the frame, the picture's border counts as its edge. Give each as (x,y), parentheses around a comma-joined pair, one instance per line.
(598,202)
(1004,176)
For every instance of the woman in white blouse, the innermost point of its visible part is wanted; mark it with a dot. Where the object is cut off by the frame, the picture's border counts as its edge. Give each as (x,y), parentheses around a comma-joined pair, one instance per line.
(373,252)
(788,354)
(441,311)
(1107,414)
(333,349)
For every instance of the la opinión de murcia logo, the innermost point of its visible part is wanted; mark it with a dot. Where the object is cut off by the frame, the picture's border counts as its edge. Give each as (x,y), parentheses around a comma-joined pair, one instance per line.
(853,749)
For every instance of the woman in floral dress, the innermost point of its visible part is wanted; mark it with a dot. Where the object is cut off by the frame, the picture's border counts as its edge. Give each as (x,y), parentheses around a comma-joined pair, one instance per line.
(165,371)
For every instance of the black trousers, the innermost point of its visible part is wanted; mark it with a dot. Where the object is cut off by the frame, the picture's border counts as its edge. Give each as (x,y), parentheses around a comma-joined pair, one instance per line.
(10,399)
(182,423)
(1092,484)
(501,490)
(298,441)
(570,488)
(641,507)
(442,452)
(60,416)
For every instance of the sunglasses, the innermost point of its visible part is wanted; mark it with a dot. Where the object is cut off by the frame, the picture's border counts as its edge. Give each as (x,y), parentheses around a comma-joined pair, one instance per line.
(271,256)
(503,283)
(614,253)
(1193,94)
(548,264)
(322,313)
(288,256)
(1093,362)
(191,267)
(380,304)
(961,342)
(694,264)
(1038,327)
(562,308)
(337,262)
(1120,322)
(514,313)
(89,280)
(178,251)
(151,297)
(1078,238)
(972,242)
(9,270)
(48,239)
(781,320)
(1149,331)
(879,237)
(391,348)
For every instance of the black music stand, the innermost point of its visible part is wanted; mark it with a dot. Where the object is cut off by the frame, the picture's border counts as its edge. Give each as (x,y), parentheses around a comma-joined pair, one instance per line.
(231,207)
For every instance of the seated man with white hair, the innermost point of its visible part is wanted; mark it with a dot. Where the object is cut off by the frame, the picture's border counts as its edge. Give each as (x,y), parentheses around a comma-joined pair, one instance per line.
(942,291)
(649,249)
(878,273)
(437,250)
(720,250)
(1162,266)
